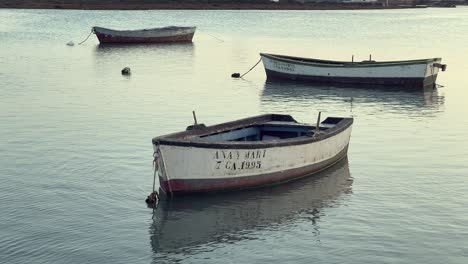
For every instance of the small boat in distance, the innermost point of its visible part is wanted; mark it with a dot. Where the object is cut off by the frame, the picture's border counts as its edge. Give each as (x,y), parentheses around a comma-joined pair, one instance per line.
(153,35)
(247,153)
(410,73)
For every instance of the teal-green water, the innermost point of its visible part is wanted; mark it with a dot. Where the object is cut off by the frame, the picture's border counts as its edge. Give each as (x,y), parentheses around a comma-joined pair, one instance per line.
(76,154)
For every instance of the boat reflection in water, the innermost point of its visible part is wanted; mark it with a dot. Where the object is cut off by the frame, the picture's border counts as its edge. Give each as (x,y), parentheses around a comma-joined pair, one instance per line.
(152,61)
(287,95)
(188,224)
(144,51)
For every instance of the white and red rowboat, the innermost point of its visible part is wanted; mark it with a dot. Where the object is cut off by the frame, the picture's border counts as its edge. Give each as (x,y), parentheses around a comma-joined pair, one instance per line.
(410,73)
(248,153)
(153,35)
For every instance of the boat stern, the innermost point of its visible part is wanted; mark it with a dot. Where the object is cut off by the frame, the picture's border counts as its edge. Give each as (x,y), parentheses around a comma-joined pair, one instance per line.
(433,67)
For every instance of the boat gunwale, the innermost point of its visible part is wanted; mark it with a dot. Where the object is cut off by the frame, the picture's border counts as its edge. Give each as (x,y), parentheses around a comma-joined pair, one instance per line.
(157,29)
(192,138)
(345,64)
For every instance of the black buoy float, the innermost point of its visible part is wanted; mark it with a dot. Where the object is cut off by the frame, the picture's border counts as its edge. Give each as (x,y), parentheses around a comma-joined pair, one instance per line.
(235,75)
(126,71)
(152,199)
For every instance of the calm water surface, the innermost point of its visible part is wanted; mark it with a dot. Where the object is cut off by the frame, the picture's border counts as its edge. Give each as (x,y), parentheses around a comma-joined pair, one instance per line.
(76,154)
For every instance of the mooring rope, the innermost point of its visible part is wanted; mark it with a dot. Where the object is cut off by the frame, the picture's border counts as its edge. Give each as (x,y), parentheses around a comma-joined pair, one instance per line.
(90,33)
(153,199)
(215,37)
(238,75)
(156,156)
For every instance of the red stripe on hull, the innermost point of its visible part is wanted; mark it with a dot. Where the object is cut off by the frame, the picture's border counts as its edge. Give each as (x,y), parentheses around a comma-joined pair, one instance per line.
(103,38)
(179,186)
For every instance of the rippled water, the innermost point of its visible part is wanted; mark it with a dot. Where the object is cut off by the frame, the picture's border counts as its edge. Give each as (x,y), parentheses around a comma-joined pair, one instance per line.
(76,154)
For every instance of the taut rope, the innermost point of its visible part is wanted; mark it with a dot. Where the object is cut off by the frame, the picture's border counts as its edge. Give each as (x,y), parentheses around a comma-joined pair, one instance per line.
(220,40)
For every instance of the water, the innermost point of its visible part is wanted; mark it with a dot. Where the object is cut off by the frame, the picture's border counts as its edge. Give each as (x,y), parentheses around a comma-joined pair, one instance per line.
(76,154)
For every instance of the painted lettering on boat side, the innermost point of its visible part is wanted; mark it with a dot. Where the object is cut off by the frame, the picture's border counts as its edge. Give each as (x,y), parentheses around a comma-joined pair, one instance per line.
(238,159)
(284,66)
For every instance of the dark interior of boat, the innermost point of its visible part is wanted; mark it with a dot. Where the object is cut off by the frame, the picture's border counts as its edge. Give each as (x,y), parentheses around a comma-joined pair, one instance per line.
(273,130)
(331,62)
(311,60)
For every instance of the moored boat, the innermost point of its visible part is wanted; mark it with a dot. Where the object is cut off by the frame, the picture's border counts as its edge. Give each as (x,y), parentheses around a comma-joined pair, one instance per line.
(410,73)
(247,153)
(153,35)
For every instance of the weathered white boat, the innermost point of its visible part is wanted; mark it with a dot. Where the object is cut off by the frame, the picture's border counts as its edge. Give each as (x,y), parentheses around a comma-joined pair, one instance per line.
(410,73)
(247,153)
(153,35)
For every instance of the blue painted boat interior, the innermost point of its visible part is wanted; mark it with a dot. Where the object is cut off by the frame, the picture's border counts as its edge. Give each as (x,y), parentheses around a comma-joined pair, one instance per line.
(270,131)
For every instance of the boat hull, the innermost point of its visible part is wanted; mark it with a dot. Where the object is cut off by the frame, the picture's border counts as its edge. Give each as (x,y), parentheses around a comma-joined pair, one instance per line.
(394,81)
(416,74)
(159,35)
(188,169)
(183,186)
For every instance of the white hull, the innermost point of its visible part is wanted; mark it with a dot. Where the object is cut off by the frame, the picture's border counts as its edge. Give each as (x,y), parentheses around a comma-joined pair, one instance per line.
(417,72)
(204,163)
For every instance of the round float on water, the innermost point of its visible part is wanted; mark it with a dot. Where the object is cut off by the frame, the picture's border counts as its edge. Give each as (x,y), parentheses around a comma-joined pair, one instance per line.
(126,71)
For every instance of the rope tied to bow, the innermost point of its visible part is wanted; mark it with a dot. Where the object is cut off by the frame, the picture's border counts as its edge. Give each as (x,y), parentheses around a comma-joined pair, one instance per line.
(156,156)
(238,75)
(90,33)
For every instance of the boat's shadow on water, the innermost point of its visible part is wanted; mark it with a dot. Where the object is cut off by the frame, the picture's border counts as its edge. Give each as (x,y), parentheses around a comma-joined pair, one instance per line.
(189,224)
(392,98)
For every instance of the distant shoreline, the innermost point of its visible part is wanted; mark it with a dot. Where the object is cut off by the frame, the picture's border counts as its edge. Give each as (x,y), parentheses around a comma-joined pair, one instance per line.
(145,5)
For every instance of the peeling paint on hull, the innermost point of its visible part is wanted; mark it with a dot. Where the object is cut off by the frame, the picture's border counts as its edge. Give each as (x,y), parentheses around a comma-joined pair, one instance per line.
(182,186)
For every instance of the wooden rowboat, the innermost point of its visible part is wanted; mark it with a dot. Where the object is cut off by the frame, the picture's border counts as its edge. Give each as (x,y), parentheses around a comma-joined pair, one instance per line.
(248,153)
(411,73)
(153,35)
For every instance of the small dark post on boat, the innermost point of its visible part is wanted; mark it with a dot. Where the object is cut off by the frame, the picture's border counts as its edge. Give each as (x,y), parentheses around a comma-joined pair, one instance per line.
(317,127)
(195,124)
(194,118)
